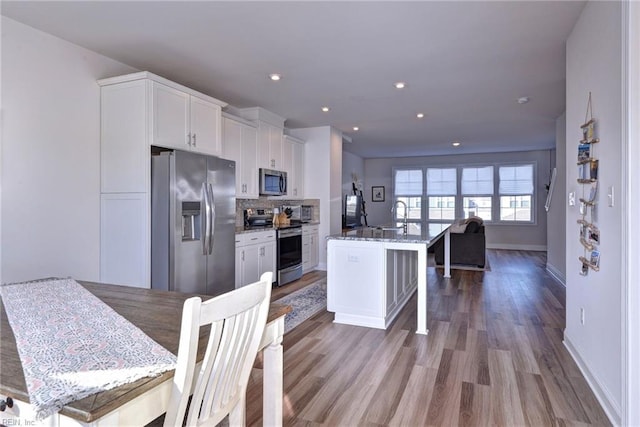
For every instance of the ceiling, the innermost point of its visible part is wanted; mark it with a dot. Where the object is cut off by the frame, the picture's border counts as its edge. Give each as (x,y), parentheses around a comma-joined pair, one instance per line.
(464,63)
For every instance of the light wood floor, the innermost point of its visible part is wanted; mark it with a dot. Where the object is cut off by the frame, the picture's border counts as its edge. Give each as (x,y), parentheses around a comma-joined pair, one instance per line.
(493,356)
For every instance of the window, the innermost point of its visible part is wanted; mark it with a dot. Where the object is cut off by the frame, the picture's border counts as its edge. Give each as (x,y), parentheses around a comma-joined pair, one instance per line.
(408,190)
(516,193)
(496,193)
(477,190)
(441,193)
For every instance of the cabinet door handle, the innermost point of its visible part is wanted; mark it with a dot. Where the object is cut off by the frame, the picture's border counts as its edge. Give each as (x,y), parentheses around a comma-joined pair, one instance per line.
(242,255)
(189,139)
(194,139)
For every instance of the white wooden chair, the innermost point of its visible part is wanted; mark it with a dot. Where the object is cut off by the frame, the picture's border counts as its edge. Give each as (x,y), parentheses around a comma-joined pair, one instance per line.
(237,320)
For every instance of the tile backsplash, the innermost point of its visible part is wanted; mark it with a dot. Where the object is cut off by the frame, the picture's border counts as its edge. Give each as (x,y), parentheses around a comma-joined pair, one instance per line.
(266,202)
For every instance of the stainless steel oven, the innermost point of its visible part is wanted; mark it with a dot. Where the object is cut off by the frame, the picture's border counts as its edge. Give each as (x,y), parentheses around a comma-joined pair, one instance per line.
(289,258)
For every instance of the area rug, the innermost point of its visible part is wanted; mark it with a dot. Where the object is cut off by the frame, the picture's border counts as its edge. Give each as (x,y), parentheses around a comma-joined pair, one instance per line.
(432,263)
(305,303)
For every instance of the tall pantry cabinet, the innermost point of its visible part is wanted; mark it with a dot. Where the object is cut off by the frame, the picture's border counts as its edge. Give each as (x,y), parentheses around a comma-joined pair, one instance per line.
(138,111)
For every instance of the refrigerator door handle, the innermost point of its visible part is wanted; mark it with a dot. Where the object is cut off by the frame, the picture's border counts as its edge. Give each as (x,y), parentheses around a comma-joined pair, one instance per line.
(206,219)
(212,219)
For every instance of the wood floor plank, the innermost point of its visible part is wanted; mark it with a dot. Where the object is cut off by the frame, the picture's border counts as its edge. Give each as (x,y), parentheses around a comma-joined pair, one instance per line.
(444,407)
(524,358)
(414,403)
(505,399)
(536,406)
(383,405)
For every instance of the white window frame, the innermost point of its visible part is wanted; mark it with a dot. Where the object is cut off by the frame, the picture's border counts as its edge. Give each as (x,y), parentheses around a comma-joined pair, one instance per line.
(426,192)
(495,197)
(533,207)
(489,195)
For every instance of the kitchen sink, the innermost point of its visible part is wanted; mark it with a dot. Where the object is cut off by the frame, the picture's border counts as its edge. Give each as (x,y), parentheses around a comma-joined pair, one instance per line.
(388,228)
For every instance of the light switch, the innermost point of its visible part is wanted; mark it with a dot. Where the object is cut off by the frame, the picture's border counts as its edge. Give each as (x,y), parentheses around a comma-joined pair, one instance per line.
(572,198)
(610,195)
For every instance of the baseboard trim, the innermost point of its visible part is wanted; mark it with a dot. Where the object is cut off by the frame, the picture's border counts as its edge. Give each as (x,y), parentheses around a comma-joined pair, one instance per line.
(556,274)
(602,394)
(322,266)
(517,247)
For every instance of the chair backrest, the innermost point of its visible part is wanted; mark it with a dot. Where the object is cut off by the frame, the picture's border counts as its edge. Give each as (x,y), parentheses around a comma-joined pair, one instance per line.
(237,320)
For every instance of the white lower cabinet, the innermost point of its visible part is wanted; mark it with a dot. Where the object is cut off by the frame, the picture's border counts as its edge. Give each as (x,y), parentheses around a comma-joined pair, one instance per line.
(310,248)
(124,239)
(255,254)
(370,281)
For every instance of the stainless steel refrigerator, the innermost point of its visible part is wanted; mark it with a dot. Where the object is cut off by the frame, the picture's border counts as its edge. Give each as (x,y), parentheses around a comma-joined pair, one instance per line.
(193,216)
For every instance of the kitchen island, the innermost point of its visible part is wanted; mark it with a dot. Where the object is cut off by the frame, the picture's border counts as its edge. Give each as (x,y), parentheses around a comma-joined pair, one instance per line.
(373,272)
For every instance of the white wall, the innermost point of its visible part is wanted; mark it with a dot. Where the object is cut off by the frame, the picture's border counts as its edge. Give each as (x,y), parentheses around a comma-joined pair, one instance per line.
(594,64)
(534,237)
(322,178)
(632,153)
(352,164)
(556,216)
(335,185)
(50,155)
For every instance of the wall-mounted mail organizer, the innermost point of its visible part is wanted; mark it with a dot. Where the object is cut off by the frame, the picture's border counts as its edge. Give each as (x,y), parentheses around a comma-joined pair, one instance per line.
(588,175)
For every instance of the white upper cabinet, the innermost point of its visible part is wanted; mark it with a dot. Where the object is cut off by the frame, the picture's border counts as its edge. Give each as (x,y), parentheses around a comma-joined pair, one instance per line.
(239,143)
(293,161)
(170,117)
(185,121)
(270,136)
(206,129)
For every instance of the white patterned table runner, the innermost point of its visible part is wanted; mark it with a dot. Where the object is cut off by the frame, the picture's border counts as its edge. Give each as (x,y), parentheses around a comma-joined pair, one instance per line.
(72,345)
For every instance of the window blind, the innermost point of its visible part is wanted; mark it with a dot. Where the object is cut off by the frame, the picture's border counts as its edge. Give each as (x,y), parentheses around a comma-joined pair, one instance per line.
(441,182)
(515,180)
(477,181)
(408,182)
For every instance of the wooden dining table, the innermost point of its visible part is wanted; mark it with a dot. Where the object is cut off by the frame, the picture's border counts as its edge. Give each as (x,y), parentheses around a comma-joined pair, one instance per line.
(158,314)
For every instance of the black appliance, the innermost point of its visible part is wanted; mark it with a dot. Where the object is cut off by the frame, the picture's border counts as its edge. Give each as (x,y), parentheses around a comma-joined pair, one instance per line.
(289,250)
(352,211)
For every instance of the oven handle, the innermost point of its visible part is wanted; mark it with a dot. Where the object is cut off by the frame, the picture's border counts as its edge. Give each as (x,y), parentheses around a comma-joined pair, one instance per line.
(292,232)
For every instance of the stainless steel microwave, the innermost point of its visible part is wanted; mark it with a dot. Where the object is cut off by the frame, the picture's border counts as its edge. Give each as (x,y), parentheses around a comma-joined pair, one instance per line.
(273,182)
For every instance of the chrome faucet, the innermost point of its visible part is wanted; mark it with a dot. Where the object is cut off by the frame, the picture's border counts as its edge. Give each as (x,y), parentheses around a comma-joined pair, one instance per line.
(404,223)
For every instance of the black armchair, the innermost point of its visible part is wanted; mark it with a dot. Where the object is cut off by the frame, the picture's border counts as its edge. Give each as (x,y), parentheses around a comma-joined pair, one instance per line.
(468,248)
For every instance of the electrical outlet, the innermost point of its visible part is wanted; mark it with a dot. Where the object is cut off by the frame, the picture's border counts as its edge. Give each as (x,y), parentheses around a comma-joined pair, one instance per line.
(581,316)
(572,198)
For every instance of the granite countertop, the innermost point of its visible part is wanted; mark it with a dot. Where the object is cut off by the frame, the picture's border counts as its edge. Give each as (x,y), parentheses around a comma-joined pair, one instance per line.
(376,234)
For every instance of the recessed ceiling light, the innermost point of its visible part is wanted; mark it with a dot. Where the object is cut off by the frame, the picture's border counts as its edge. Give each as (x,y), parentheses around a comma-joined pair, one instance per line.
(275,77)
(356,128)
(400,85)
(523,100)
(420,115)
(455,143)
(325,109)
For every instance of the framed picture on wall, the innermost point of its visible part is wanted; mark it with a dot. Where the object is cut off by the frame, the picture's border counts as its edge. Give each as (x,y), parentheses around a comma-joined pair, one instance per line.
(377,194)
